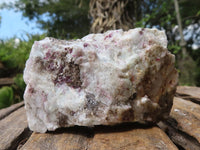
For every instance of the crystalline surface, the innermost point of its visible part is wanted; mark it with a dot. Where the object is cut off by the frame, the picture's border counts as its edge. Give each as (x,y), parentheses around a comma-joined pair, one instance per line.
(100,79)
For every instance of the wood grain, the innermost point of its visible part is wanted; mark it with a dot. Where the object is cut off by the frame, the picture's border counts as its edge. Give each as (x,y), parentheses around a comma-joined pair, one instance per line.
(6,111)
(183,128)
(64,139)
(11,128)
(137,139)
(189,92)
(180,138)
(150,138)
(187,115)
(6,81)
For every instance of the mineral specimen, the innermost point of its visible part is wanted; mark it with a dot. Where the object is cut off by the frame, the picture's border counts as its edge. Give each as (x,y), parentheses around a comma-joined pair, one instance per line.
(101,79)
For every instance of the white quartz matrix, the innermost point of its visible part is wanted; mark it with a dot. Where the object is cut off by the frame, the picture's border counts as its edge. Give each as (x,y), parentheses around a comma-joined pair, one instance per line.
(101,79)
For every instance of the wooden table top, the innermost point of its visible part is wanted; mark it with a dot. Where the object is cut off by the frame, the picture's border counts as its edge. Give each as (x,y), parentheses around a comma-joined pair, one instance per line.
(180,131)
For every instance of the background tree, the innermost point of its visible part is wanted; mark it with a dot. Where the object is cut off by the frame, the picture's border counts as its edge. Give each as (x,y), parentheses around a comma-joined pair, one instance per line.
(186,64)
(161,14)
(13,56)
(69,19)
(60,18)
(115,14)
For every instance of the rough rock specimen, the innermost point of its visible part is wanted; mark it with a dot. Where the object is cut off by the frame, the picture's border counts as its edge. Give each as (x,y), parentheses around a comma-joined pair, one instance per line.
(100,79)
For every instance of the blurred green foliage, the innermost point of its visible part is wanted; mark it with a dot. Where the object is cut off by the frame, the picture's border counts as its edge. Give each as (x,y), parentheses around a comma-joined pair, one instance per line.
(18,87)
(13,54)
(161,14)
(6,96)
(174,48)
(63,18)
(19,82)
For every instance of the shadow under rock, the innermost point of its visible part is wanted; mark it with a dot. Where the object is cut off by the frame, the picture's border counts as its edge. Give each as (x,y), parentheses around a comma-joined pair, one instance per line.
(90,131)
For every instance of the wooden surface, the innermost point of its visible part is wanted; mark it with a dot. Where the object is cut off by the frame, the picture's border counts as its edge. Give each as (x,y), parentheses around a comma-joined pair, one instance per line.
(187,115)
(11,128)
(6,111)
(6,81)
(180,131)
(102,139)
(56,141)
(149,138)
(189,93)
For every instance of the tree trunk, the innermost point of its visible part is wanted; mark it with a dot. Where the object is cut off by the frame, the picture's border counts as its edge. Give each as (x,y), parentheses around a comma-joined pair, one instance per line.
(178,17)
(186,64)
(108,15)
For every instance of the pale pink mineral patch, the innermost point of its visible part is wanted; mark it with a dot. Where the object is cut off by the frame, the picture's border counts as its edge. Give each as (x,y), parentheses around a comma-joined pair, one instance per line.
(101,79)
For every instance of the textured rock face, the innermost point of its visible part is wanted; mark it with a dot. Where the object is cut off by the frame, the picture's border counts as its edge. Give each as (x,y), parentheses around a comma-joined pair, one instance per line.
(100,79)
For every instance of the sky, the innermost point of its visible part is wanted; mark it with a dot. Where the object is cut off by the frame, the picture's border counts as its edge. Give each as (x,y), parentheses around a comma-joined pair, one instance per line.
(14,25)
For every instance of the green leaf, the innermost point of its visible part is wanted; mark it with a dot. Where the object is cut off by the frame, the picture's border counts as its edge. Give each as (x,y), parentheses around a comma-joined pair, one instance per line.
(13,55)
(198,13)
(6,96)
(174,48)
(18,80)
